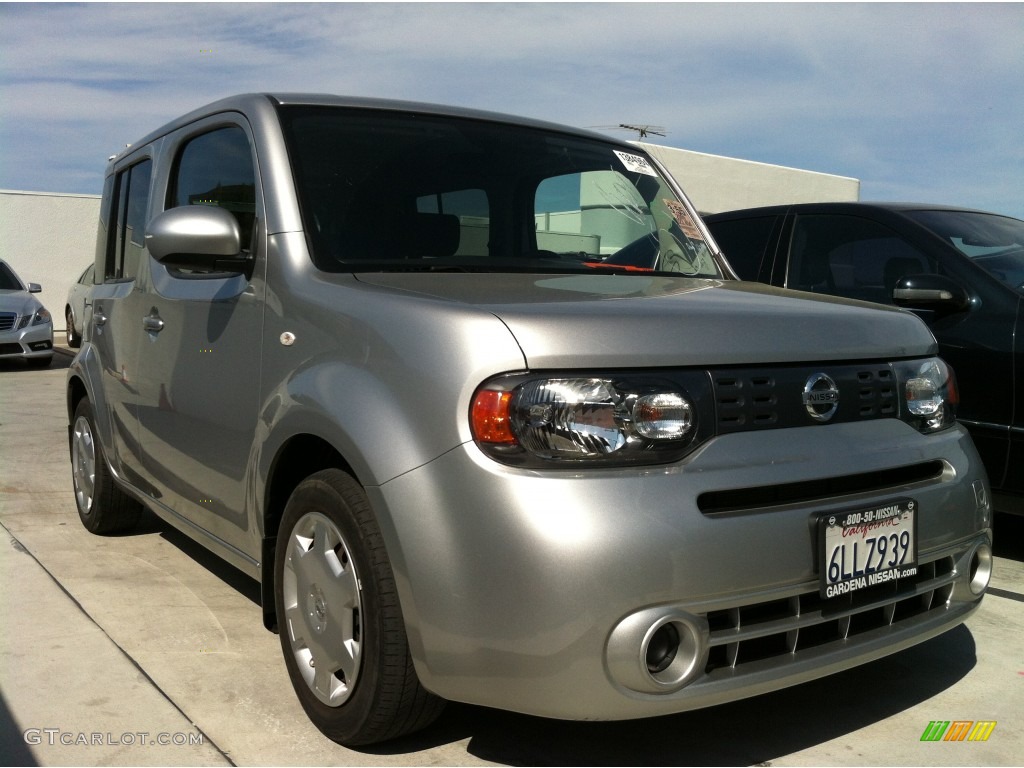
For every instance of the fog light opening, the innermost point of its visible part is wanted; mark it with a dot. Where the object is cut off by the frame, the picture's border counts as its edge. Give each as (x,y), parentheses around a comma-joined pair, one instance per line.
(669,652)
(662,648)
(981,569)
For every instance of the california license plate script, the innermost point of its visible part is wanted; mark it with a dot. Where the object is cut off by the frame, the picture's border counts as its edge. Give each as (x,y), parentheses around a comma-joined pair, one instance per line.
(864,547)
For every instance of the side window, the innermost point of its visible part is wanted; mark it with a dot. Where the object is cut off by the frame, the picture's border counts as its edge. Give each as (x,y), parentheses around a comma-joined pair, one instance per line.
(126,209)
(850,256)
(103,230)
(216,169)
(744,242)
(438,212)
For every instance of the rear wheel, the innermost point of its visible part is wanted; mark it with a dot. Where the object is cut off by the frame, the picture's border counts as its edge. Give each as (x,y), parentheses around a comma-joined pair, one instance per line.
(342,631)
(102,506)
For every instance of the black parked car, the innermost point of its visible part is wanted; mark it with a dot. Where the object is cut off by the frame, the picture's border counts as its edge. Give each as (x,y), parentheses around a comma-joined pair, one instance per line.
(961,270)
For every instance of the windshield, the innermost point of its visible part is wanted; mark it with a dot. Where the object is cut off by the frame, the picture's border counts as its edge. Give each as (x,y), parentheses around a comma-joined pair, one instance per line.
(390,191)
(995,243)
(8,280)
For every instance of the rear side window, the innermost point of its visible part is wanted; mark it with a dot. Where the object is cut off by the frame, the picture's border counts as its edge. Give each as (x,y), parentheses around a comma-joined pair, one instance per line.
(216,169)
(744,243)
(127,216)
(851,256)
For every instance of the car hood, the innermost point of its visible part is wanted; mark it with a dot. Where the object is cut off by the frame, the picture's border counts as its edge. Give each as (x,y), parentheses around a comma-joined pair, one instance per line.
(19,302)
(652,320)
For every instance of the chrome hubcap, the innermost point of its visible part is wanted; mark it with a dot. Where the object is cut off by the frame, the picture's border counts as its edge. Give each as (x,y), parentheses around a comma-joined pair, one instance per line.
(83,464)
(323,608)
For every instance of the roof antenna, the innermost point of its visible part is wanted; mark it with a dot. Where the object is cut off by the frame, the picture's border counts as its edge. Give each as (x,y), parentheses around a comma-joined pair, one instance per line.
(642,131)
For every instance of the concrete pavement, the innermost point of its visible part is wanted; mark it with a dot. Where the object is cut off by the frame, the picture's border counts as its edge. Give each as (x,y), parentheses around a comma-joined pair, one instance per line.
(144,649)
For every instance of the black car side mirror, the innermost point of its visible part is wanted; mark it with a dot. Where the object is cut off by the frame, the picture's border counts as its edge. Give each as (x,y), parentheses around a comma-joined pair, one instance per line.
(930,291)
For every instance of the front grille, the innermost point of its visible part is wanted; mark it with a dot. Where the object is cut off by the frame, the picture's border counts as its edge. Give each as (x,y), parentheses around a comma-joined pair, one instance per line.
(771,398)
(7,320)
(791,626)
(828,488)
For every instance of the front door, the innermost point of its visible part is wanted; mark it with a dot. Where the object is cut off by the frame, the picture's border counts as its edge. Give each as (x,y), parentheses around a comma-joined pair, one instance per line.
(200,354)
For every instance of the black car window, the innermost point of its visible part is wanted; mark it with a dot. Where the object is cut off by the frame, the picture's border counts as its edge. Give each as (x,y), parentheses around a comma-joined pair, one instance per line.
(216,169)
(744,241)
(995,243)
(850,256)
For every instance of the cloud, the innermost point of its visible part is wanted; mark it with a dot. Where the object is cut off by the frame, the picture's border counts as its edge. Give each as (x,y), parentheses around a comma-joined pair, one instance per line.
(906,97)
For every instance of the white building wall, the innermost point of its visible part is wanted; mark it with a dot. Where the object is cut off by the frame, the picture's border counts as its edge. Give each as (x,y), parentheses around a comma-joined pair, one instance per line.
(49,238)
(716,184)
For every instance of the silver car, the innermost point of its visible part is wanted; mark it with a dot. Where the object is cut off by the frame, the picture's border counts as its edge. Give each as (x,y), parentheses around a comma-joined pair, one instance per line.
(78,302)
(26,329)
(398,363)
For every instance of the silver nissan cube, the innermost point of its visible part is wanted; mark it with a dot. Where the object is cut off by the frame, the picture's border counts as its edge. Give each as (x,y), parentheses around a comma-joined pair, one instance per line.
(411,368)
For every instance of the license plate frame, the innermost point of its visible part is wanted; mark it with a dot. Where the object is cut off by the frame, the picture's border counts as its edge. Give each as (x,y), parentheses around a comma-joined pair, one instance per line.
(866,546)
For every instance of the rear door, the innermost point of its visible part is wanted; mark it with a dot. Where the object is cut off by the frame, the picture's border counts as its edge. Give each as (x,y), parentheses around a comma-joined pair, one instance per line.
(118,302)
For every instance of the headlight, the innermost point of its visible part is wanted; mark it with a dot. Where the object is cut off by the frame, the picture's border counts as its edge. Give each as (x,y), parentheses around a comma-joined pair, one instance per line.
(929,395)
(42,316)
(598,419)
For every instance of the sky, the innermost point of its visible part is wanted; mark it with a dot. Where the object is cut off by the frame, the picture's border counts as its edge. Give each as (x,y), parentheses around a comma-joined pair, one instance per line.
(921,102)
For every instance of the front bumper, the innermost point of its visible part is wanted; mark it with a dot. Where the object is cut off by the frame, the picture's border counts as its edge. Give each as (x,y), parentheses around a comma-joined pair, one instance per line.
(34,341)
(538,591)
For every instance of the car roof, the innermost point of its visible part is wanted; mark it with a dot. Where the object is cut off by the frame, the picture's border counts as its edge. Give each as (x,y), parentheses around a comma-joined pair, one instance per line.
(255,103)
(837,207)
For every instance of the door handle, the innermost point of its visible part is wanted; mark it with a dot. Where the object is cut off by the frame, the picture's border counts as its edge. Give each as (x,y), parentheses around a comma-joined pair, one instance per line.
(152,324)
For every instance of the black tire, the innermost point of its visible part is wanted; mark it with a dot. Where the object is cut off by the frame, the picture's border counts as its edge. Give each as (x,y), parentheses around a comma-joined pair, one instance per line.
(337,606)
(74,339)
(103,508)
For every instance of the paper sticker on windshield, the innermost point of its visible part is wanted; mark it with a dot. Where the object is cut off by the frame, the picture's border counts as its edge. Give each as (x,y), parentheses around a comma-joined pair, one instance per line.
(635,163)
(683,219)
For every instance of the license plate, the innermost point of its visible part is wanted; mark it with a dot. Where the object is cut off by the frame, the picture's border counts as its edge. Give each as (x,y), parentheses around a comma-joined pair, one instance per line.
(864,547)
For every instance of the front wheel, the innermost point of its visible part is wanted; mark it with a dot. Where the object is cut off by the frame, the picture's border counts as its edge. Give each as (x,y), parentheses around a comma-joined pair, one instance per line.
(74,339)
(342,631)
